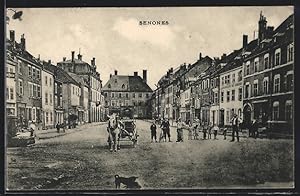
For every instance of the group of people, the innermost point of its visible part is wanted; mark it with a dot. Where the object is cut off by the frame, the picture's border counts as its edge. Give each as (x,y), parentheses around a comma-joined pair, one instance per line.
(193,130)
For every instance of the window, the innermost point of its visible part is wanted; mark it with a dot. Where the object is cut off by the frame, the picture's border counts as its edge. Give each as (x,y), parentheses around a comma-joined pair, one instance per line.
(133,95)
(266,85)
(113,103)
(50,81)
(288,110)
(30,89)
(232,95)
(20,87)
(222,80)
(266,61)
(222,96)
(109,86)
(123,86)
(240,76)
(277,56)
(56,101)
(11,93)
(33,72)
(256,61)
(247,68)
(290,52)
(255,88)
(7,94)
(140,95)
(228,96)
(105,95)
(112,95)
(33,114)
(120,95)
(47,117)
(240,93)
(50,98)
(20,67)
(290,81)
(38,75)
(247,90)
(116,81)
(276,83)
(29,71)
(216,98)
(51,117)
(73,90)
(147,95)
(276,110)
(46,80)
(38,91)
(46,98)
(233,78)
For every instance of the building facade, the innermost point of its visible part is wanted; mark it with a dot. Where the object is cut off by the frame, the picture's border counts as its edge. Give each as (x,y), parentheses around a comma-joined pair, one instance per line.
(128,91)
(269,75)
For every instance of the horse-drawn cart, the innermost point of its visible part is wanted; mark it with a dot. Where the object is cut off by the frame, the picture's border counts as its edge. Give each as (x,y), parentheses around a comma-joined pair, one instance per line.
(124,128)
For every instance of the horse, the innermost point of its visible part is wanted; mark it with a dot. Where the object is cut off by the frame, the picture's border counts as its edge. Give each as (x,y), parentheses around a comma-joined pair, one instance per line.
(113,133)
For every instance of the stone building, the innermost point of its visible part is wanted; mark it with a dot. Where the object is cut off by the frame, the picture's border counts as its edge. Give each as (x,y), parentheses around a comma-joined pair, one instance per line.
(28,82)
(128,91)
(48,95)
(269,75)
(92,77)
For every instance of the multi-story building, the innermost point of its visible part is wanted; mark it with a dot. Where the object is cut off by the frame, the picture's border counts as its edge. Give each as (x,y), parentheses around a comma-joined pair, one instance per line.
(268,75)
(71,94)
(92,77)
(48,95)
(28,82)
(128,91)
(11,64)
(84,98)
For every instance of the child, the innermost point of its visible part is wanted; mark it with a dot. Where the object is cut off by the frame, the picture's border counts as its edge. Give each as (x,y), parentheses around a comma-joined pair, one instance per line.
(153,132)
(209,131)
(224,132)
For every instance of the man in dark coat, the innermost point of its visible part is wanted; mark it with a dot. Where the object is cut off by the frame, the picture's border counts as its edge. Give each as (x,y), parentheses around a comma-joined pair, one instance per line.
(153,131)
(235,127)
(165,125)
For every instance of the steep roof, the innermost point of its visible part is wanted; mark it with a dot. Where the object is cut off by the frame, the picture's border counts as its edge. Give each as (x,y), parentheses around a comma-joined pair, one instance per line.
(126,83)
(76,61)
(65,77)
(78,79)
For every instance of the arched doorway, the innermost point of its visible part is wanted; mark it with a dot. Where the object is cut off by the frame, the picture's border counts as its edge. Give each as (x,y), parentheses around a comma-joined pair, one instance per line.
(247,114)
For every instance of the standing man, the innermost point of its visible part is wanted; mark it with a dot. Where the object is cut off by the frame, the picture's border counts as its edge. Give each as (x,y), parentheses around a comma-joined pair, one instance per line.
(166,129)
(235,127)
(180,125)
(153,131)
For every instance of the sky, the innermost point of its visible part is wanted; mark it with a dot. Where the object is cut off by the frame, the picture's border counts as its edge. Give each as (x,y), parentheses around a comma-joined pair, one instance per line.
(114,37)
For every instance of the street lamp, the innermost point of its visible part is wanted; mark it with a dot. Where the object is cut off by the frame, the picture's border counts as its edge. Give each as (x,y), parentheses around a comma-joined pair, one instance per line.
(17,15)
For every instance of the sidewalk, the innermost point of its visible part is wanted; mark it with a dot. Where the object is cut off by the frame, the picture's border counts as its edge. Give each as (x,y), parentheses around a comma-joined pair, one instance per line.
(52,133)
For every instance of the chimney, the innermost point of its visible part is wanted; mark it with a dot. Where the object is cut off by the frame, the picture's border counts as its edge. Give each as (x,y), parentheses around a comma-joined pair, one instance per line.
(12,35)
(262,27)
(79,57)
(64,58)
(223,56)
(269,32)
(200,56)
(245,41)
(23,43)
(94,61)
(39,57)
(110,75)
(145,76)
(49,61)
(135,73)
(116,72)
(73,53)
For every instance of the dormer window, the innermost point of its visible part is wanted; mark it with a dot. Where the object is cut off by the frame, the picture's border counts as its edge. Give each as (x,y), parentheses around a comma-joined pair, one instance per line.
(123,86)
(109,86)
(116,81)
